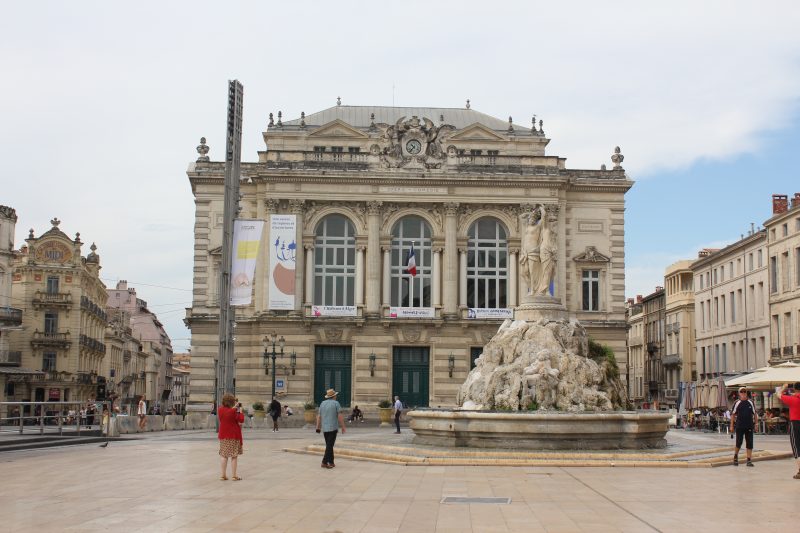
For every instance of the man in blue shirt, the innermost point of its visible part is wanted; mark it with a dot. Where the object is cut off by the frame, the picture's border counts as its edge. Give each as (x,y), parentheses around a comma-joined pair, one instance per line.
(743,420)
(329,419)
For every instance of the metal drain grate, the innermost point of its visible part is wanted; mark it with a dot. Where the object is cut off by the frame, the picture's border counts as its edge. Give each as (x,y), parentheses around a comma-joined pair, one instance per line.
(463,499)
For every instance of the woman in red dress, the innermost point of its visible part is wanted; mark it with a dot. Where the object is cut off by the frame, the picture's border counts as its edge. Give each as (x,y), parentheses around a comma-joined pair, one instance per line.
(230,434)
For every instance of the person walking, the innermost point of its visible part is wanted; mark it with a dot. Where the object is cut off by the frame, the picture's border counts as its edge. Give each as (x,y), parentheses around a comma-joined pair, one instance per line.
(398,409)
(744,420)
(231,418)
(792,399)
(275,413)
(141,411)
(329,418)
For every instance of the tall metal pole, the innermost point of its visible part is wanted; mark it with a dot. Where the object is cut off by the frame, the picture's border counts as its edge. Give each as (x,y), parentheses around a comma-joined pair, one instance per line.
(273,370)
(233,154)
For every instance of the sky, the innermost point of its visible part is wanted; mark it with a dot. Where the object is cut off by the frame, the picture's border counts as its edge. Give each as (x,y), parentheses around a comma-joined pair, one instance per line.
(103,103)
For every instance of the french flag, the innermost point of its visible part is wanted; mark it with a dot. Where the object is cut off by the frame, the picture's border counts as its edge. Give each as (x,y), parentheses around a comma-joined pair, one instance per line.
(411,264)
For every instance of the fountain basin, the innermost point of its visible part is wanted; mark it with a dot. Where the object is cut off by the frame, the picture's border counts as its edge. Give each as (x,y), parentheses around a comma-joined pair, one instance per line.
(612,430)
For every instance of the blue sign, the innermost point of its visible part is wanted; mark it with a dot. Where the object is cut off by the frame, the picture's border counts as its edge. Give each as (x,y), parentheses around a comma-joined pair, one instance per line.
(279,384)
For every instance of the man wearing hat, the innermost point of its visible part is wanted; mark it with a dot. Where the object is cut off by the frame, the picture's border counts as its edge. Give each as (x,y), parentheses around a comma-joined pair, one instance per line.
(744,420)
(792,399)
(329,419)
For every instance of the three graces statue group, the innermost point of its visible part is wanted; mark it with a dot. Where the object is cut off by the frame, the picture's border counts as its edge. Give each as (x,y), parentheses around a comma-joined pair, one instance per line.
(539,251)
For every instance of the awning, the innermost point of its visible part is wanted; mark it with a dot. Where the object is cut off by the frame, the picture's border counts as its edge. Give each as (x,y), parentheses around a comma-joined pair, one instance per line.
(768,377)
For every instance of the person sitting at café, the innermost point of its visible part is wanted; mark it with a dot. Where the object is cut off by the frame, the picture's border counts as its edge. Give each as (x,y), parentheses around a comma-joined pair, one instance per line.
(356,414)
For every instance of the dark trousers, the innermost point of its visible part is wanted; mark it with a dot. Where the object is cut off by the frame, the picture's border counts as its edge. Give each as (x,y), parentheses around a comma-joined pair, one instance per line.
(397,420)
(330,440)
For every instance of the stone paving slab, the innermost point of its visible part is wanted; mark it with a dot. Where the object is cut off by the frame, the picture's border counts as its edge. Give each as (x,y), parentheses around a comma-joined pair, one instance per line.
(169,482)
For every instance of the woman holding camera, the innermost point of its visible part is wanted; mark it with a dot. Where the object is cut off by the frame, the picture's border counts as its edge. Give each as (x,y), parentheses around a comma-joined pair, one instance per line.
(230,434)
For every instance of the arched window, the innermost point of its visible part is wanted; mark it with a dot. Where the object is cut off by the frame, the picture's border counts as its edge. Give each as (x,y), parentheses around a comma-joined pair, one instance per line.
(487,265)
(335,262)
(407,290)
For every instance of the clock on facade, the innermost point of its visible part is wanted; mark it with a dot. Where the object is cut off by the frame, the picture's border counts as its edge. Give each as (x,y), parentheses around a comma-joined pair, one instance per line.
(413,147)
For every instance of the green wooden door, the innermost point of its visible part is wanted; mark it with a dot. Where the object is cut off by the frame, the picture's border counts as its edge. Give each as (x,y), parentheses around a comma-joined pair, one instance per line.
(332,370)
(410,368)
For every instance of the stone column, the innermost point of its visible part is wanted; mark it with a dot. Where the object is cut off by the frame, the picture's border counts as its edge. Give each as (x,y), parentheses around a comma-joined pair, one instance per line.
(450,259)
(437,276)
(462,277)
(387,275)
(298,208)
(373,259)
(360,275)
(266,208)
(513,257)
(309,274)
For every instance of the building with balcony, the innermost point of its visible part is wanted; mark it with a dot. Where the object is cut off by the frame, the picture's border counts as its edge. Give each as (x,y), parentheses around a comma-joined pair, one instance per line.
(783,250)
(654,341)
(636,353)
(361,186)
(10,311)
(63,327)
(10,315)
(126,360)
(731,307)
(152,342)
(679,357)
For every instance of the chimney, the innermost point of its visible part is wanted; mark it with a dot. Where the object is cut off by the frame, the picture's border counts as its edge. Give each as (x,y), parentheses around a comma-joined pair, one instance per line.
(630,301)
(122,285)
(752,228)
(796,200)
(638,298)
(659,288)
(780,203)
(702,253)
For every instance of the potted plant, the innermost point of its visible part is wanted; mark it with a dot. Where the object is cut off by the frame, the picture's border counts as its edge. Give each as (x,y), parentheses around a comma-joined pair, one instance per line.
(385,412)
(310,413)
(258,410)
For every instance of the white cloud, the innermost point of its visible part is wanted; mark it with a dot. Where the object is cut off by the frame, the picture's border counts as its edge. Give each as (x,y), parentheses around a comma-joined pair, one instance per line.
(102,104)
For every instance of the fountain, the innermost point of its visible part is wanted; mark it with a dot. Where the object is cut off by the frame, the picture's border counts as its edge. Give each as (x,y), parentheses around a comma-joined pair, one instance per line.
(537,384)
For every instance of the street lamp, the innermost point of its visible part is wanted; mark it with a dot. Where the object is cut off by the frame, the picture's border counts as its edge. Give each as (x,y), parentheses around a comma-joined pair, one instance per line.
(372,364)
(293,361)
(451,363)
(272,339)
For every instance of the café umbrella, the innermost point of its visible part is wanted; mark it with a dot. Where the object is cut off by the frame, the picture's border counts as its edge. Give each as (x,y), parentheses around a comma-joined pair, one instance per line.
(768,377)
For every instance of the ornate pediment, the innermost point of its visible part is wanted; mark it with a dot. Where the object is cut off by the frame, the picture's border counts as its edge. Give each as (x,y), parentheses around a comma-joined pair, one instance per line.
(414,143)
(476,132)
(591,255)
(338,128)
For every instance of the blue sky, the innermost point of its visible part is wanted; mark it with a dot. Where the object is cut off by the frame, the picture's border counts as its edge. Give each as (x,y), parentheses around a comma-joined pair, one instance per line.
(671,215)
(102,105)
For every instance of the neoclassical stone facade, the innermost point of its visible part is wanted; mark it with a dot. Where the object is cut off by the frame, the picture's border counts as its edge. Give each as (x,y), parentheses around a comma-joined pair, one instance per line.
(732,308)
(365,185)
(64,323)
(783,243)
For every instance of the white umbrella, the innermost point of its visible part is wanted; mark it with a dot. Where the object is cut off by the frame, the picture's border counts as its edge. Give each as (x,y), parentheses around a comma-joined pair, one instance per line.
(768,377)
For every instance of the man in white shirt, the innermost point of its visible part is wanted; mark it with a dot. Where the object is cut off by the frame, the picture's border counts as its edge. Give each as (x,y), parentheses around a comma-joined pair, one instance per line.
(142,412)
(398,408)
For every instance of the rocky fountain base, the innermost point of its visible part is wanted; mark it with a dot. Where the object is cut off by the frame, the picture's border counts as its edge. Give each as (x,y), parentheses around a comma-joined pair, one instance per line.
(537,385)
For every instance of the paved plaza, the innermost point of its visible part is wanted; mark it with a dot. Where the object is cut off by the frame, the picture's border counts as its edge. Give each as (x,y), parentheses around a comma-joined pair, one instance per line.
(170,482)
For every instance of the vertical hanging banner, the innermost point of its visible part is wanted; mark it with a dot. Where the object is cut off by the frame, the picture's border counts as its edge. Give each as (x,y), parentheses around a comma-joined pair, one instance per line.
(244,253)
(282,252)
